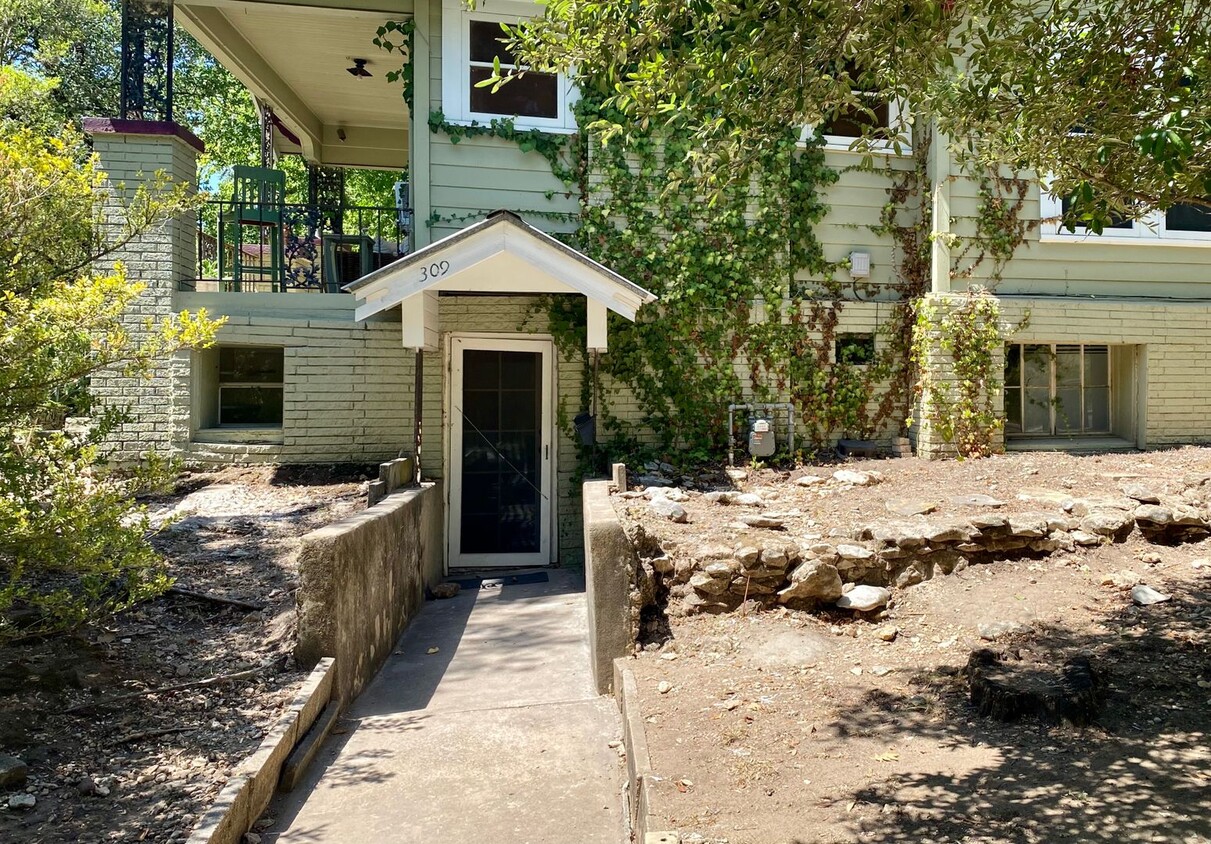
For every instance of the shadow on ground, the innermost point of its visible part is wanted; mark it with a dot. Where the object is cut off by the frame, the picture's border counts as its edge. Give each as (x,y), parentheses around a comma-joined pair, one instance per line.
(1141,772)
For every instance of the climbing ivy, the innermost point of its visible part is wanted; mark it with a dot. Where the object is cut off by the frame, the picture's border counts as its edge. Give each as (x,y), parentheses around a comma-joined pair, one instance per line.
(742,279)
(398,37)
(749,304)
(956,347)
(999,226)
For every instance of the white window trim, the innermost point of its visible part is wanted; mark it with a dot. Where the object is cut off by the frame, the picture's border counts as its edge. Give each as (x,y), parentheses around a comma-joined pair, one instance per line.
(1147,230)
(456,66)
(897,119)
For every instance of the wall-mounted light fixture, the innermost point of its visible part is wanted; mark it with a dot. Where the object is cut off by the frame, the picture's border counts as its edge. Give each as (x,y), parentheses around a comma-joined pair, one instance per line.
(340,133)
(359,69)
(859,264)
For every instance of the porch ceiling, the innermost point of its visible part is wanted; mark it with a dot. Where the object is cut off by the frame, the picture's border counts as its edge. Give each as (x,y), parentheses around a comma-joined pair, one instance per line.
(294,56)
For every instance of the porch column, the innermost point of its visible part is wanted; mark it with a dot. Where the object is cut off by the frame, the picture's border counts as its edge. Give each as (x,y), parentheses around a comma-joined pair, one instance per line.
(131,150)
(936,416)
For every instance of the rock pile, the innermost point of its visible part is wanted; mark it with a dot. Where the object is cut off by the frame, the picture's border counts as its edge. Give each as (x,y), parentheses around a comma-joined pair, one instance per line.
(766,567)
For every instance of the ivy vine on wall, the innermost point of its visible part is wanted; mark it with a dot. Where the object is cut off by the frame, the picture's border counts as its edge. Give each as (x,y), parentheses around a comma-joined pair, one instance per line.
(749,304)
(957,345)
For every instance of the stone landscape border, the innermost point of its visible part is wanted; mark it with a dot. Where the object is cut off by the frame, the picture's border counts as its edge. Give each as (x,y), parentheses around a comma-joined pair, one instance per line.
(253,783)
(644,788)
(766,566)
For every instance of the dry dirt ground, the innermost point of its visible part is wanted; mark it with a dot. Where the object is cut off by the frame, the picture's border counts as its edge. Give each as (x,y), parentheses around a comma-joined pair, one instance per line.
(144,767)
(792,727)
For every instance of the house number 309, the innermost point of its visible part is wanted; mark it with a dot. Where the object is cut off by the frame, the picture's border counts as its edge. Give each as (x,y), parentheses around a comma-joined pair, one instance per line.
(435,270)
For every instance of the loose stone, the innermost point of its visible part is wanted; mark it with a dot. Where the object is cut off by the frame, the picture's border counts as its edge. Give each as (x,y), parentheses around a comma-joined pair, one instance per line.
(812,580)
(1141,493)
(847,476)
(13,772)
(1084,539)
(996,629)
(978,500)
(1153,514)
(671,510)
(864,598)
(1107,522)
(762,521)
(1146,596)
(855,552)
(911,507)
(703,582)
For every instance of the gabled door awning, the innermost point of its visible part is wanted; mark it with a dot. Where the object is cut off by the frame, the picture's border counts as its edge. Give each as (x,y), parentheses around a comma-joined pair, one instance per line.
(501,254)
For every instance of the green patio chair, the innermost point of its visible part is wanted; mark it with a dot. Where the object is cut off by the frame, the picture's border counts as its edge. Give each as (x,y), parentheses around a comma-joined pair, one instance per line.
(257,196)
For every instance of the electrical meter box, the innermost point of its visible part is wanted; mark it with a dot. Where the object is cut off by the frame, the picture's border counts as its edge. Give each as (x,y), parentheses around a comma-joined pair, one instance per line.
(760,437)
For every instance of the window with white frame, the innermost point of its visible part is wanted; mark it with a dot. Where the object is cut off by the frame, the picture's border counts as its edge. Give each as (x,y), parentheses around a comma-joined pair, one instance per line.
(471,45)
(1056,389)
(1182,222)
(881,120)
(250,386)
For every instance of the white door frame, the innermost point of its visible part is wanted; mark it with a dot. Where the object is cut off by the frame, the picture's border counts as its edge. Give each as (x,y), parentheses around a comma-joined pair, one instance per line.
(543,345)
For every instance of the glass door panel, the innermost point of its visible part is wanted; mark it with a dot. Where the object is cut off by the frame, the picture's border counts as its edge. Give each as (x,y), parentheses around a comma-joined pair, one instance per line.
(1036,380)
(1013,389)
(501,405)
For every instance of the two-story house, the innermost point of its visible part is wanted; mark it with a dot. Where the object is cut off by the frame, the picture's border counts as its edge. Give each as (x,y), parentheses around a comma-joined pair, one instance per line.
(362,334)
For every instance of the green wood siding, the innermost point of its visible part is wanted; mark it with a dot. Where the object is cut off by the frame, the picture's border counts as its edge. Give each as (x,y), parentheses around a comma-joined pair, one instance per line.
(1088,266)
(479,175)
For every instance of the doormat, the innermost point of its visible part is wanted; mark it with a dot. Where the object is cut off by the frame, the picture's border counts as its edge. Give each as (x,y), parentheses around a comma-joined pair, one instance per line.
(503,580)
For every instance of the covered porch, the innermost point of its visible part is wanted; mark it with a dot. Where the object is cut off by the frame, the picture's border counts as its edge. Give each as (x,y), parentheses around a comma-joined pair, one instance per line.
(499,436)
(314,68)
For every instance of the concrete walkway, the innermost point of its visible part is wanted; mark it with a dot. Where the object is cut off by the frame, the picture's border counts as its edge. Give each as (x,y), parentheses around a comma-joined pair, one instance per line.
(499,736)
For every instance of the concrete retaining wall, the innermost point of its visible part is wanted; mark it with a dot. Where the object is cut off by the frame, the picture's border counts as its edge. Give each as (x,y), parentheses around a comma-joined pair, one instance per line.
(610,565)
(251,787)
(648,794)
(363,580)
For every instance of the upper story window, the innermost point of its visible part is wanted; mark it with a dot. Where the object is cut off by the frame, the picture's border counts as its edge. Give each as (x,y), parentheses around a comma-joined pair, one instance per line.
(1181,223)
(881,121)
(471,44)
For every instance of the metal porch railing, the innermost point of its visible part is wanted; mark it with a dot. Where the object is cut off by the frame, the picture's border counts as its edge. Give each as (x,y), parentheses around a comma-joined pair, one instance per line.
(257,246)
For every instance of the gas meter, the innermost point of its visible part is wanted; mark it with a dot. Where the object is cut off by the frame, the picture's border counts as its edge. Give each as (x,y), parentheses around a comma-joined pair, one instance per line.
(760,436)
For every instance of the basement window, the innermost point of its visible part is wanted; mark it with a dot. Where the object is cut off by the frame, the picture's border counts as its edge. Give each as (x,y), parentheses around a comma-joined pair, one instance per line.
(855,349)
(1057,390)
(250,387)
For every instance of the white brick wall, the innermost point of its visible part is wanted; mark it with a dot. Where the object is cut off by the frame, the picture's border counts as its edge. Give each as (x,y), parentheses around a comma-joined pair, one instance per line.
(159,404)
(1174,338)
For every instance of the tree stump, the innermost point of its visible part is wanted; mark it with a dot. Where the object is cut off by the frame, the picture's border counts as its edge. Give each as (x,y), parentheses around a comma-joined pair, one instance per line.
(1008,690)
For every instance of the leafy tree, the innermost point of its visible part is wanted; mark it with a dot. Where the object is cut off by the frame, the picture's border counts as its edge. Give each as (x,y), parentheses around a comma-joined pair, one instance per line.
(1110,97)
(71,547)
(70,45)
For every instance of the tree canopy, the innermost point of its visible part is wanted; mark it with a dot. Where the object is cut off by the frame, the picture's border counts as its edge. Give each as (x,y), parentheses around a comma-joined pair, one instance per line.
(70,546)
(1109,98)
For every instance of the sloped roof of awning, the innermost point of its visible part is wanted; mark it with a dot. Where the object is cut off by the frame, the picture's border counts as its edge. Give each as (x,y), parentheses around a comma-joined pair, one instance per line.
(500,254)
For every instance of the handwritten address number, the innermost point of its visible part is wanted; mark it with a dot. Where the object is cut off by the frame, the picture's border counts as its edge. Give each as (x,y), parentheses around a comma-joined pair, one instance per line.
(435,270)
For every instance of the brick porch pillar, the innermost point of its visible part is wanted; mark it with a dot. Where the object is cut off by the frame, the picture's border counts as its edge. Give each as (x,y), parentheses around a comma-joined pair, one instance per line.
(933,415)
(130,153)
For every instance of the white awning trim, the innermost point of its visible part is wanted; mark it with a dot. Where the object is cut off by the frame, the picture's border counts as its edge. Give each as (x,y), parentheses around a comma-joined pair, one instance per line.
(501,254)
